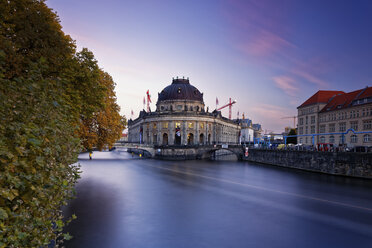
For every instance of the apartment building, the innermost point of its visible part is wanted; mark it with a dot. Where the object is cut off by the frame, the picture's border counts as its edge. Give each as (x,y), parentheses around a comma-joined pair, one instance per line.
(334,112)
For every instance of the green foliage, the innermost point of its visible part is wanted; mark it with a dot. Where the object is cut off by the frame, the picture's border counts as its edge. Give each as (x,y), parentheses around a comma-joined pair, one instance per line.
(292,140)
(47,93)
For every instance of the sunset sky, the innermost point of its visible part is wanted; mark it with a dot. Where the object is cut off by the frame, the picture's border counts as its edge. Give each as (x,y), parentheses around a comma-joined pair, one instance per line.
(269,55)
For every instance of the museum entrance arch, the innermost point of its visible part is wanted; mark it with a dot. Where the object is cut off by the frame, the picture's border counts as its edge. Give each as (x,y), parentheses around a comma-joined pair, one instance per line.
(177,139)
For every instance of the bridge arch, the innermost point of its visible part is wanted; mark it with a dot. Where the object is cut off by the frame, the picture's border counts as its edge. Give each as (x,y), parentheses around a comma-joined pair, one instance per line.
(219,153)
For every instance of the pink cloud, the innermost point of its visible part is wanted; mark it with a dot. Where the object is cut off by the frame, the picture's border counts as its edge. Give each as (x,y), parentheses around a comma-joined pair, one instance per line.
(287,84)
(264,43)
(310,77)
(271,116)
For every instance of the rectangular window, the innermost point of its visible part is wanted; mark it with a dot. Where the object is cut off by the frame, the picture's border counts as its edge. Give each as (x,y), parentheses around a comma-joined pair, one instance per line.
(154,125)
(201,125)
(354,139)
(342,126)
(322,129)
(307,130)
(301,130)
(367,138)
(191,125)
(312,129)
(165,124)
(177,125)
(367,125)
(312,119)
(354,125)
(306,120)
(332,127)
(301,121)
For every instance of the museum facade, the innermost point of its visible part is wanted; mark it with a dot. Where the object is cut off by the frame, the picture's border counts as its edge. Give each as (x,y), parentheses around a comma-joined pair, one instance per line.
(181,119)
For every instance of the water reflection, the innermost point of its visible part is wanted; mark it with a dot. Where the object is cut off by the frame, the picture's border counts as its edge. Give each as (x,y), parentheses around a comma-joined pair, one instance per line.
(128,202)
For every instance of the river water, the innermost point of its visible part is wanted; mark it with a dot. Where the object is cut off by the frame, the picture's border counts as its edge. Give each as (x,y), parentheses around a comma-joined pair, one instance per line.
(125,201)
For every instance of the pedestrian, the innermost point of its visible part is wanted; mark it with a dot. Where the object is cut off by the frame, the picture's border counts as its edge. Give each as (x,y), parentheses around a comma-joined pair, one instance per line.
(90,155)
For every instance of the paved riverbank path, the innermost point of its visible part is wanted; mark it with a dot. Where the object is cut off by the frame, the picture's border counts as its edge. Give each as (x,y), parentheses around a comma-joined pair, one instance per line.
(125,201)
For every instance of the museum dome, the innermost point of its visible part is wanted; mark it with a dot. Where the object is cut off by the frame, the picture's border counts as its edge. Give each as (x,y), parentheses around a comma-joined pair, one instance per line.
(180,89)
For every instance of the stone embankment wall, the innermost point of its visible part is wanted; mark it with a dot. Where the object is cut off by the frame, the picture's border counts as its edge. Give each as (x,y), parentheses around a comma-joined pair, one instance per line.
(336,163)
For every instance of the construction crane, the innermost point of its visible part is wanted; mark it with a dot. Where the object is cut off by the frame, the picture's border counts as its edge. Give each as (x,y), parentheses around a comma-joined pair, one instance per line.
(228,105)
(148,100)
(294,120)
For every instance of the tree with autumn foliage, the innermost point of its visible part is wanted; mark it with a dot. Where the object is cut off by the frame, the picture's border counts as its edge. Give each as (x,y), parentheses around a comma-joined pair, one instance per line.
(104,127)
(52,100)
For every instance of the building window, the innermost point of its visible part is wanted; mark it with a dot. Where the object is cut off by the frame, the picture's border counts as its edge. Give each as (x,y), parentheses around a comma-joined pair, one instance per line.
(306,140)
(312,119)
(367,138)
(332,128)
(301,121)
(201,125)
(300,130)
(354,125)
(209,126)
(306,120)
(179,107)
(322,139)
(332,139)
(322,129)
(300,140)
(165,124)
(177,125)
(354,138)
(342,139)
(342,126)
(306,129)
(312,129)
(367,125)
(191,125)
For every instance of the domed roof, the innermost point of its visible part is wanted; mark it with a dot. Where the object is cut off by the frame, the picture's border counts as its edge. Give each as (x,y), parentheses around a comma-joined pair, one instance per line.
(180,89)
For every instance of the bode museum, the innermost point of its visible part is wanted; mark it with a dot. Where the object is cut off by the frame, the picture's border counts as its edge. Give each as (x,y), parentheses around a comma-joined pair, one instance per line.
(181,119)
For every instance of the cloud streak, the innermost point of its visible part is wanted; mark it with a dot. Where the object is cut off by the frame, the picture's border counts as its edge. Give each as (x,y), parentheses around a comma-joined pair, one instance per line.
(287,84)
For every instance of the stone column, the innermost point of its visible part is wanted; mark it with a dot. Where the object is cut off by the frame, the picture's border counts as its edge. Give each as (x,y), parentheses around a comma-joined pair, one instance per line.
(160,136)
(171,133)
(184,134)
(150,133)
(144,133)
(197,138)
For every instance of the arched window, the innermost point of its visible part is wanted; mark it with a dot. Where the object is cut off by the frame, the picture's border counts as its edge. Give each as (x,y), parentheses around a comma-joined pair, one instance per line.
(322,139)
(190,139)
(332,139)
(367,138)
(354,138)
(165,139)
(201,139)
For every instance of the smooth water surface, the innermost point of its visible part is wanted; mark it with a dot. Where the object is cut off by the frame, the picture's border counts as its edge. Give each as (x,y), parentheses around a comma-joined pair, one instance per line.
(125,201)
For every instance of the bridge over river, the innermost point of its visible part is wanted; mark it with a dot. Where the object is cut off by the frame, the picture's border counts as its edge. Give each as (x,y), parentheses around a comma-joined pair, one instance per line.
(185,152)
(124,201)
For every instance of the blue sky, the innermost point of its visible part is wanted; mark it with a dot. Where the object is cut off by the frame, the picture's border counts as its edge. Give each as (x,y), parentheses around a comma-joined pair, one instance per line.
(269,55)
